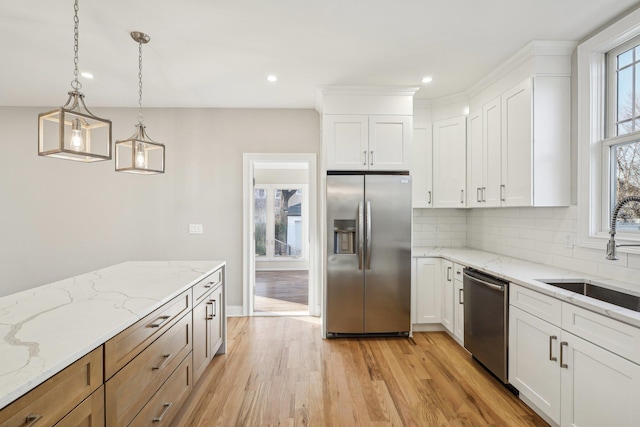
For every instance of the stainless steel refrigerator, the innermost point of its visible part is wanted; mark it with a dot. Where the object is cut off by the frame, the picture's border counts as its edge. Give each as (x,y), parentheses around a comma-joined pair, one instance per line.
(368,254)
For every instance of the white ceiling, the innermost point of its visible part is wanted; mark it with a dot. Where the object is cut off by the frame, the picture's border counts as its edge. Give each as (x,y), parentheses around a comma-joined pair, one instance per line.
(213,53)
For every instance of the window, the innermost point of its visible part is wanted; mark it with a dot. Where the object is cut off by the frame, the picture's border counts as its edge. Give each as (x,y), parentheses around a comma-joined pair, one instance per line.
(623,94)
(608,131)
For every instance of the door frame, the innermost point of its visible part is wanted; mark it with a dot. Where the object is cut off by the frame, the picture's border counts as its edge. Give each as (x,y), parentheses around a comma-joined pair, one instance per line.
(248,247)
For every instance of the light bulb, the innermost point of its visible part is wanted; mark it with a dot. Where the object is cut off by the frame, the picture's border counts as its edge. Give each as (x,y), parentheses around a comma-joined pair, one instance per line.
(140,157)
(77,143)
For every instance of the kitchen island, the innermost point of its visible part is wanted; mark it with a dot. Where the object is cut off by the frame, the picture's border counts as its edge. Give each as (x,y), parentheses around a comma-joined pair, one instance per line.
(48,328)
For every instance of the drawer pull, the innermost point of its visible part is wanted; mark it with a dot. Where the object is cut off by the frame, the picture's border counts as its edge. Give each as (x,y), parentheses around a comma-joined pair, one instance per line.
(210,284)
(166,409)
(31,419)
(461,296)
(209,316)
(562,364)
(551,356)
(161,319)
(213,305)
(166,358)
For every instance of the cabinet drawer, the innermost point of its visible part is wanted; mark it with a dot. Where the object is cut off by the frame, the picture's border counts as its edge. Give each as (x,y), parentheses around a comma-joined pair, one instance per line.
(204,286)
(56,397)
(540,305)
(90,413)
(457,271)
(166,403)
(610,334)
(119,350)
(132,387)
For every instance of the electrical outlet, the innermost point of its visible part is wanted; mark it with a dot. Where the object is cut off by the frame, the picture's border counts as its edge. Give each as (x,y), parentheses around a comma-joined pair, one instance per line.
(196,229)
(568,241)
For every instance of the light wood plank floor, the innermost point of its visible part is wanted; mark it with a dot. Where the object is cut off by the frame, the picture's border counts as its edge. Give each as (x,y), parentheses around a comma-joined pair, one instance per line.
(281,291)
(279,371)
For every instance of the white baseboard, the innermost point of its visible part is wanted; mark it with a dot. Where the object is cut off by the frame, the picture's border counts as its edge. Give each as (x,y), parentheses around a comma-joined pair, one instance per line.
(234,311)
(428,327)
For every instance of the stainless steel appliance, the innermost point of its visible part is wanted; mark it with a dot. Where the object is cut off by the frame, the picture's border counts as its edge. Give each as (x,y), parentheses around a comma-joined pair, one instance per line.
(486,320)
(368,254)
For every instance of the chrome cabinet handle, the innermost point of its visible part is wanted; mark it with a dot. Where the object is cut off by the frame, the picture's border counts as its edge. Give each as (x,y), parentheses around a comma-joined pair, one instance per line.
(209,316)
(562,364)
(551,356)
(429,192)
(503,189)
(210,284)
(215,308)
(460,297)
(166,358)
(31,419)
(448,274)
(484,194)
(461,196)
(157,324)
(364,154)
(167,405)
(478,194)
(371,158)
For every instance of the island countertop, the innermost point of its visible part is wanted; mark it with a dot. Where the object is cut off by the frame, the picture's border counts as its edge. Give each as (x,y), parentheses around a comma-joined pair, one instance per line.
(47,328)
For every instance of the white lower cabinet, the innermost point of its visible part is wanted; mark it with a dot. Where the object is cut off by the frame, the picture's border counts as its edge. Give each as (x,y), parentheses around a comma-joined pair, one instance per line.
(572,381)
(428,290)
(458,304)
(447,295)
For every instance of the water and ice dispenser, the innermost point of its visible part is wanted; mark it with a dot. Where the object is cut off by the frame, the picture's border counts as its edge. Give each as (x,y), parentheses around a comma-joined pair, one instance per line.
(344,236)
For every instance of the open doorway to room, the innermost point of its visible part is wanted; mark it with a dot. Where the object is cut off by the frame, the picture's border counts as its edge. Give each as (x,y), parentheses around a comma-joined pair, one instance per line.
(280,236)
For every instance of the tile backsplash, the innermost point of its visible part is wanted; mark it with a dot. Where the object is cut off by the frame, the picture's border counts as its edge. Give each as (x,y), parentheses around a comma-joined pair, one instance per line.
(544,235)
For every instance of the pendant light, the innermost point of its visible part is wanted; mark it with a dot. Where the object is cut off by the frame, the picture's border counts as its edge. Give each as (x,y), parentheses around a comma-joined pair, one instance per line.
(139,153)
(72,132)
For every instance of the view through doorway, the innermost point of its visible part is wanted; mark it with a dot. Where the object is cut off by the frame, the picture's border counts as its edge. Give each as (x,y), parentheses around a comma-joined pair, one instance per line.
(281,238)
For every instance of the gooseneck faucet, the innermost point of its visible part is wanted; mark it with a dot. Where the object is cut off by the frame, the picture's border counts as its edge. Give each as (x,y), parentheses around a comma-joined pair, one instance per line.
(611,245)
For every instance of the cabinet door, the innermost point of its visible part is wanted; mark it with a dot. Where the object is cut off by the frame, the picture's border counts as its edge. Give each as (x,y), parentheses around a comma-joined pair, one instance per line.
(346,142)
(599,388)
(449,163)
(390,142)
(428,284)
(421,166)
(491,119)
(517,145)
(201,338)
(534,367)
(447,295)
(475,160)
(217,313)
(458,309)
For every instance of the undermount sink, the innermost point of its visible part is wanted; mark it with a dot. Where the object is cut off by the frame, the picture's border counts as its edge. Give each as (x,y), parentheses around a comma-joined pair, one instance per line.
(590,289)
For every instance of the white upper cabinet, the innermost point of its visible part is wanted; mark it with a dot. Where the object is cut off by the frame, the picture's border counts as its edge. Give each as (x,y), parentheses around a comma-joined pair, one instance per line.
(491,153)
(422,159)
(475,160)
(367,128)
(449,163)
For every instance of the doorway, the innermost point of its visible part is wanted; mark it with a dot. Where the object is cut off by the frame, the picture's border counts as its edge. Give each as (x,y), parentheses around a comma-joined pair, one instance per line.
(280,235)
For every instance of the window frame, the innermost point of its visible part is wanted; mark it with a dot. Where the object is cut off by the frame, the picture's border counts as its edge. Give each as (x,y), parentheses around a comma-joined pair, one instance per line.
(593,125)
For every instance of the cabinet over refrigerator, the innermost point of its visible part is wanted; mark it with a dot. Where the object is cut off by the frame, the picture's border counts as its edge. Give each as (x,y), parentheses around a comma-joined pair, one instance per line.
(368,254)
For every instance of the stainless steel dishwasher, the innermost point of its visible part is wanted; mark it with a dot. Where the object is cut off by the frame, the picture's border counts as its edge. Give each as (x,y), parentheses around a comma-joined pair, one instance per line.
(486,320)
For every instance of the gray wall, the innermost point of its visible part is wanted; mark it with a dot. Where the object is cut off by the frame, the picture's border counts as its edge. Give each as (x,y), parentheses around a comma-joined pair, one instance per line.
(60,218)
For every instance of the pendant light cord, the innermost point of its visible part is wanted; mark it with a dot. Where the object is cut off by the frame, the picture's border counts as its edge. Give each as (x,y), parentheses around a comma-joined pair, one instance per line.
(75,84)
(140,117)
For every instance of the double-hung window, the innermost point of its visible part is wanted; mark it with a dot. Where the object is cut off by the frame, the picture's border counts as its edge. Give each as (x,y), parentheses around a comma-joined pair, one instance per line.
(608,131)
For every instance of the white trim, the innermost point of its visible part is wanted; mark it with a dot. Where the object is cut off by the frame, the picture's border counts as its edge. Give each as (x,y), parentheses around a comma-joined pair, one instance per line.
(248,252)
(591,102)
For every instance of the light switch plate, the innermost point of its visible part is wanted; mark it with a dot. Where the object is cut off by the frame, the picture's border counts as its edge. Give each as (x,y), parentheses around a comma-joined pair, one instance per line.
(196,229)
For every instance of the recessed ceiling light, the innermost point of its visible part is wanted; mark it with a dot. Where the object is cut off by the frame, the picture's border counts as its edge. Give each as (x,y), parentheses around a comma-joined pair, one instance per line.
(86,75)
(427,79)
(272,78)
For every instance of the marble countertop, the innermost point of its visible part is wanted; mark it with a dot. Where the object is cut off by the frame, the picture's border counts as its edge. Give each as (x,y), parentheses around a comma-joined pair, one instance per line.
(528,274)
(47,328)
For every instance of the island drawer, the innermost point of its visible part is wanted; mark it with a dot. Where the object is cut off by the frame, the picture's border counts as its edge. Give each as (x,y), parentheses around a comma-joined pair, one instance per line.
(119,350)
(132,387)
(166,403)
(89,413)
(206,285)
(540,305)
(49,402)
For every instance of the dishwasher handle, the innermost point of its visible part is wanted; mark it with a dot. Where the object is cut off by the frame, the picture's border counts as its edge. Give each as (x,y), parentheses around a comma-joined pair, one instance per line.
(485,283)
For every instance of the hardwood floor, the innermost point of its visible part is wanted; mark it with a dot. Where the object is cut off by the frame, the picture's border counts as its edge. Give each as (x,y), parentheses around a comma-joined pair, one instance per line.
(281,291)
(279,371)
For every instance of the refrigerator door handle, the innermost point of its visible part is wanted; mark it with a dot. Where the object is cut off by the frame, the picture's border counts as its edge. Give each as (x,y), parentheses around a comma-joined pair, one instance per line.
(360,248)
(368,267)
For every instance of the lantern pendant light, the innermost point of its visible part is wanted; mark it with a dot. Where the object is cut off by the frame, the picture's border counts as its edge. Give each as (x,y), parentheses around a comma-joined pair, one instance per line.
(72,132)
(139,153)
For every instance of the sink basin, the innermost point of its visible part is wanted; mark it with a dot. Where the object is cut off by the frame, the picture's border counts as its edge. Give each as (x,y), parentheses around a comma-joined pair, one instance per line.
(590,289)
